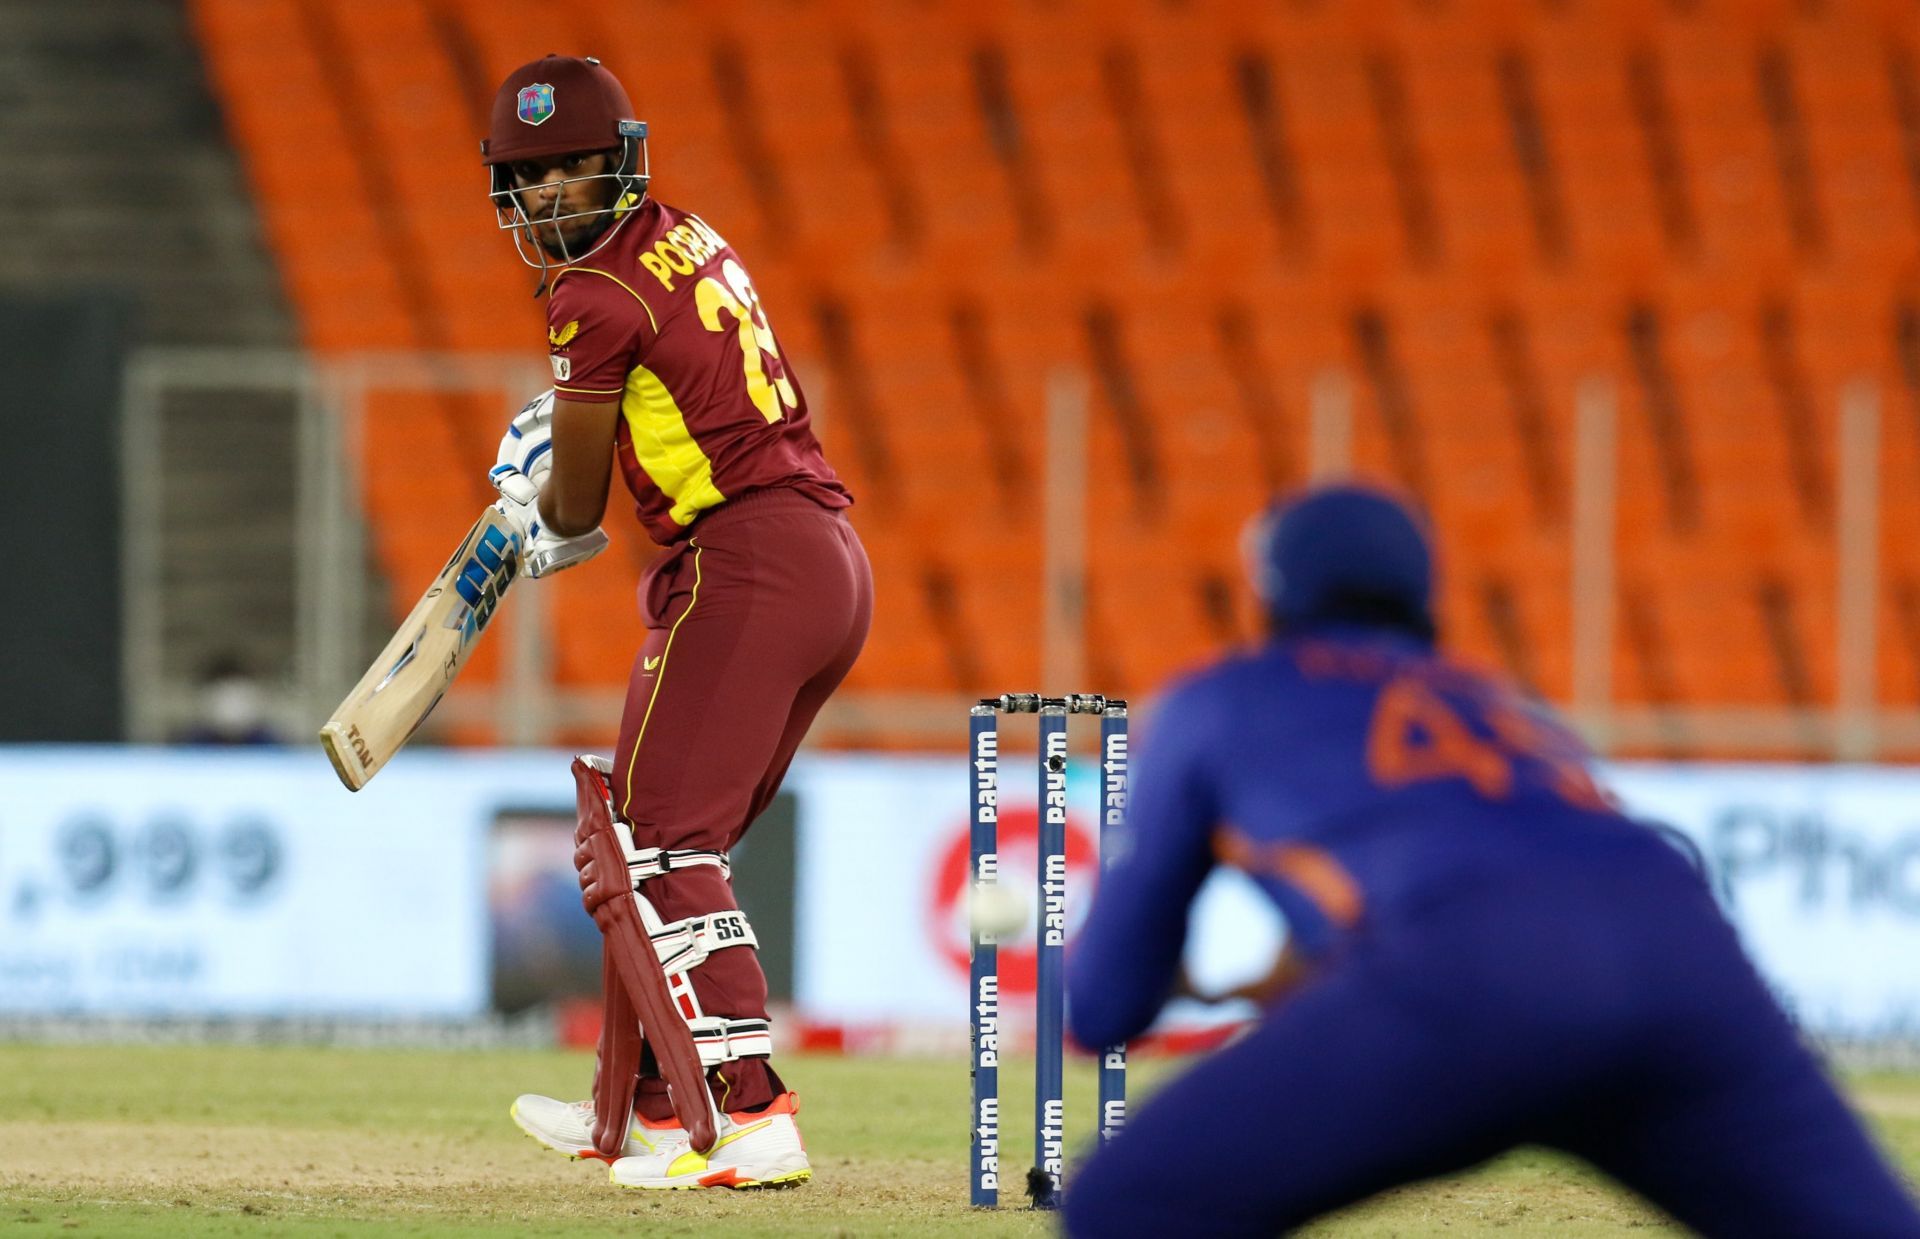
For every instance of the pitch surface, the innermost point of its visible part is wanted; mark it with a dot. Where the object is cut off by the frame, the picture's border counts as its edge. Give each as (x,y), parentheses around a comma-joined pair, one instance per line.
(308,1142)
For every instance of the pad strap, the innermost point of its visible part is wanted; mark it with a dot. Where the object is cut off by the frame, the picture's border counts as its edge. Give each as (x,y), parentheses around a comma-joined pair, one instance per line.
(644,863)
(721,1040)
(685,945)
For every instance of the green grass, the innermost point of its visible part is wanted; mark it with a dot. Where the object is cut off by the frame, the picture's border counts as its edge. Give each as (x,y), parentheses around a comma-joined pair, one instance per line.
(307,1142)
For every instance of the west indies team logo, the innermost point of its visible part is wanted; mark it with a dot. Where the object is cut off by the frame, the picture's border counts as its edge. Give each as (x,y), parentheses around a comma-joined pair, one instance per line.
(1019,840)
(536,103)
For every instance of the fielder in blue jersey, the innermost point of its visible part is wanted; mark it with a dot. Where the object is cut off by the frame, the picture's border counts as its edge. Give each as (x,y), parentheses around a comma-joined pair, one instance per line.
(1486,954)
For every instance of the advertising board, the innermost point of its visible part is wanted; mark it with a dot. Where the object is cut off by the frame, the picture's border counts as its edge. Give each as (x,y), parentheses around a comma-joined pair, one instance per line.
(248,883)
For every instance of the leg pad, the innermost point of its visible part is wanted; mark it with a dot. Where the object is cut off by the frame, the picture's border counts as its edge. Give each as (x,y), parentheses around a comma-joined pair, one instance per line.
(629,957)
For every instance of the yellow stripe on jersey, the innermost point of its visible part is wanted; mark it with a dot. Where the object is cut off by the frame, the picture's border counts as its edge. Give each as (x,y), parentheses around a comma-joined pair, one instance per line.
(666,449)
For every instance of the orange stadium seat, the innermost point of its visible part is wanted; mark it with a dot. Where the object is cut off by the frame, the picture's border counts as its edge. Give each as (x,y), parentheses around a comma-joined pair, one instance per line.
(1467,210)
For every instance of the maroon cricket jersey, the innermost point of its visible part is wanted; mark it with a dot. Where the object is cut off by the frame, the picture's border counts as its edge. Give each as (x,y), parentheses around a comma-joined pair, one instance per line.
(665,321)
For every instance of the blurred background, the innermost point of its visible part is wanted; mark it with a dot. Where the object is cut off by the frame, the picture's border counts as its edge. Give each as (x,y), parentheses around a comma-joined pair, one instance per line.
(1624,291)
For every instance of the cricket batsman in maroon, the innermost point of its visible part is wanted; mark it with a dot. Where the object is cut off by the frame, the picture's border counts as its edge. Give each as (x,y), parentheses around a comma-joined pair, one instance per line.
(664,363)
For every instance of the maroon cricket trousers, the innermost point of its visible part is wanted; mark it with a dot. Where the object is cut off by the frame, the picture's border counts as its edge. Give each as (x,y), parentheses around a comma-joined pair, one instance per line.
(752,622)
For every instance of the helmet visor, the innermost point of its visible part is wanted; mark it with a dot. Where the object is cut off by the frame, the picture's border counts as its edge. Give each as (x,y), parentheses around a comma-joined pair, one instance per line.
(567,218)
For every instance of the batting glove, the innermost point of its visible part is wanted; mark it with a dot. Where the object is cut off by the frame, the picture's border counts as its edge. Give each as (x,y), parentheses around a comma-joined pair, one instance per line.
(526,452)
(524,461)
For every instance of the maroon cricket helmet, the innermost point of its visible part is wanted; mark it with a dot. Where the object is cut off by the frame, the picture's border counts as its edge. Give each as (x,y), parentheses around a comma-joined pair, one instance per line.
(559,105)
(554,106)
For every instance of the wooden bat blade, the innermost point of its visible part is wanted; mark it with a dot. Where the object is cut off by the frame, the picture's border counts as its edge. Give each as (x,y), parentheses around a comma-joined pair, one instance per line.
(414,671)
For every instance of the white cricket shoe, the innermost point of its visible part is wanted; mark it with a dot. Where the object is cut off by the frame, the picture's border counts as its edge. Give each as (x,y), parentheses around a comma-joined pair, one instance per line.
(567,1127)
(756,1149)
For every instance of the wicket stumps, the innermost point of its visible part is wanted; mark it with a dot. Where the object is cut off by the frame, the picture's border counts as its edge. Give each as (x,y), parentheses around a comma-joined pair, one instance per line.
(1044,1180)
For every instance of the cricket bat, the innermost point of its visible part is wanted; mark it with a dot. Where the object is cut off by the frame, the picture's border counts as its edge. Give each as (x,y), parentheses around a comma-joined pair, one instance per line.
(410,676)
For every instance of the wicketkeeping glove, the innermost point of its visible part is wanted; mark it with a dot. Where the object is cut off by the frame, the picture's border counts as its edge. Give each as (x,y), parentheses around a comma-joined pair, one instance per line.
(524,460)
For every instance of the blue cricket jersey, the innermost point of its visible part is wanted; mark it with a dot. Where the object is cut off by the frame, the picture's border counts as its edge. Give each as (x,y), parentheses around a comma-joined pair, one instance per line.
(1512,962)
(1353,776)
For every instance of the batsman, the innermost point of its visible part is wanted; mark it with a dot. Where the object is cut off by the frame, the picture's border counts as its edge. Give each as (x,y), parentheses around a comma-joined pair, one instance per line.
(665,364)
